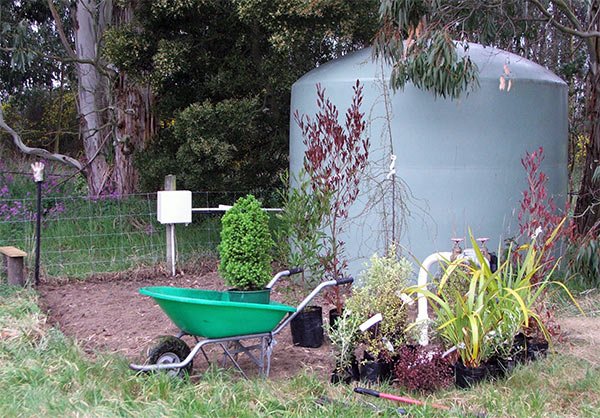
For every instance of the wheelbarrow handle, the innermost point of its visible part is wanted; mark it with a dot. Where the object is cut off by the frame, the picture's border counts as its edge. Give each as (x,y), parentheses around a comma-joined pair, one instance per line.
(284,273)
(310,297)
(344,280)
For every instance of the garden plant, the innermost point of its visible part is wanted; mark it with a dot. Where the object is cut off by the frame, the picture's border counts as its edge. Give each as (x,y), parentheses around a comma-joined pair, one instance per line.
(246,245)
(335,157)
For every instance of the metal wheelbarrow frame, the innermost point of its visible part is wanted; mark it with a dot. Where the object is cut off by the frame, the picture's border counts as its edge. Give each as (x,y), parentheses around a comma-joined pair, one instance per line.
(168,354)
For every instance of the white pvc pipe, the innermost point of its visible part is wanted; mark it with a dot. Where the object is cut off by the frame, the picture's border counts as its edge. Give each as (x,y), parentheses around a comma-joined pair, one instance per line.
(422,314)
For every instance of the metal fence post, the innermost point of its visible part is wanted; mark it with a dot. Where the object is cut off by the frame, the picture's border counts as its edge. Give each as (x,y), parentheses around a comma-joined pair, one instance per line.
(38,177)
(171,184)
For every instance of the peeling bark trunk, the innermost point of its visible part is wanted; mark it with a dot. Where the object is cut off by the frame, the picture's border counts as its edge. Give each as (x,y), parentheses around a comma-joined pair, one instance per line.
(135,120)
(135,126)
(88,30)
(587,209)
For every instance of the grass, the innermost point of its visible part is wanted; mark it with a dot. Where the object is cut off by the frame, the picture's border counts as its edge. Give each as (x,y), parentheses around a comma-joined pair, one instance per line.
(44,373)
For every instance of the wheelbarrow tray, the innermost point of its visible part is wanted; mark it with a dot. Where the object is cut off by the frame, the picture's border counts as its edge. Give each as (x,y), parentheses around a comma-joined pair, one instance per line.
(211,314)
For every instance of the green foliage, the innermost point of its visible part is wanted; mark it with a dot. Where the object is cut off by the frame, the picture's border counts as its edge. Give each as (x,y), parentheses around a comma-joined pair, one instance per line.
(484,320)
(246,244)
(46,119)
(128,49)
(583,262)
(230,63)
(378,290)
(424,55)
(213,146)
(434,64)
(300,236)
(345,337)
(222,136)
(25,36)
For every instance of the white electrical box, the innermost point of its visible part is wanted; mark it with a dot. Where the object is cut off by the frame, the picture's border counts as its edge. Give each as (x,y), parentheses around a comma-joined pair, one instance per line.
(174,207)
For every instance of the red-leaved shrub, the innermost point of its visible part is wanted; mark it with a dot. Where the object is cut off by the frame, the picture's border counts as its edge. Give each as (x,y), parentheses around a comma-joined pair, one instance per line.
(422,369)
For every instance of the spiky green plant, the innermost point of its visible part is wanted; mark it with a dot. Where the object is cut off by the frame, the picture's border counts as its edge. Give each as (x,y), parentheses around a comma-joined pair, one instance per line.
(485,319)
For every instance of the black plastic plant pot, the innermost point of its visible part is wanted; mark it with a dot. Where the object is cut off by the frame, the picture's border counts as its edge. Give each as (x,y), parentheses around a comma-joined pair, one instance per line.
(370,371)
(307,327)
(466,377)
(498,367)
(536,349)
(333,317)
(519,348)
(493,368)
(346,374)
(250,296)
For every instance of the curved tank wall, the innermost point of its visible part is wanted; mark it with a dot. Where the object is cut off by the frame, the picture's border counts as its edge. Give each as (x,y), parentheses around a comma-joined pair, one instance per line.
(460,160)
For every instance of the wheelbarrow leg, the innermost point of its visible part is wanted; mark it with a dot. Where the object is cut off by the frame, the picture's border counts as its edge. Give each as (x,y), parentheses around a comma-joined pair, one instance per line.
(235,363)
(269,345)
(181,334)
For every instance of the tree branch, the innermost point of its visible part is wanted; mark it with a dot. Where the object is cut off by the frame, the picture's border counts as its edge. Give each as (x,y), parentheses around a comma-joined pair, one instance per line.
(40,152)
(61,30)
(566,29)
(569,14)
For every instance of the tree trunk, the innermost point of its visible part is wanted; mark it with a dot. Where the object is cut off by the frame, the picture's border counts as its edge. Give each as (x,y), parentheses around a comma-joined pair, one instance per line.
(88,31)
(135,125)
(587,210)
(135,120)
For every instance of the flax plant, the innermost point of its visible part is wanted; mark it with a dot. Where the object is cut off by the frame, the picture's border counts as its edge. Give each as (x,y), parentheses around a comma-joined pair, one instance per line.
(484,320)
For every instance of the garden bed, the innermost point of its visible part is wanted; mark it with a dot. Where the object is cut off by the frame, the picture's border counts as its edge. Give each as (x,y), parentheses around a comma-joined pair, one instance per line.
(106,313)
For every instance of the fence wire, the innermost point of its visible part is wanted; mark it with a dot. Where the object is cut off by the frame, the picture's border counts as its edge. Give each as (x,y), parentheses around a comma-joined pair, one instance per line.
(82,236)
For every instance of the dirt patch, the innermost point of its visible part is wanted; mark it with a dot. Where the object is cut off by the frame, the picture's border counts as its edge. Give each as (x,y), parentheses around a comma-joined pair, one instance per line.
(108,314)
(582,338)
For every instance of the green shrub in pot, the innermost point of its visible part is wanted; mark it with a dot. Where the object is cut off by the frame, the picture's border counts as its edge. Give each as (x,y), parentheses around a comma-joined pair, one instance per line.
(246,244)
(344,337)
(378,290)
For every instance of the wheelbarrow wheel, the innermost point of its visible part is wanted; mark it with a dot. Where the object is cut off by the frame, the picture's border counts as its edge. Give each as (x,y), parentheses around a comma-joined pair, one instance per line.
(169,349)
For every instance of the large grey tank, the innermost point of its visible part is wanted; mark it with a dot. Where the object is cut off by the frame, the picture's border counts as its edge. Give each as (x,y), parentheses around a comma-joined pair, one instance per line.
(459,160)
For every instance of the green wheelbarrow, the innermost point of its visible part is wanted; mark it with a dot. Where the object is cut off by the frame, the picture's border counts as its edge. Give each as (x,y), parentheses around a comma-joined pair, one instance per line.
(213,319)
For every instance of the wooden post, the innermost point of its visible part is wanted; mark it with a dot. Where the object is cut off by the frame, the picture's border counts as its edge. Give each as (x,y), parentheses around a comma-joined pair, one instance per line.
(171,184)
(14,262)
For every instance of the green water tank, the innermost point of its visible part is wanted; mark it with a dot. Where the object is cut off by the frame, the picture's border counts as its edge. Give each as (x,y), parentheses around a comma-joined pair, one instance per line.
(459,160)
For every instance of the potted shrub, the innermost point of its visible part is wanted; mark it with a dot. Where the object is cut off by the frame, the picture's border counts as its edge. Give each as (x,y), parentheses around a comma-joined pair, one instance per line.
(344,337)
(422,368)
(470,322)
(378,291)
(336,156)
(484,321)
(245,251)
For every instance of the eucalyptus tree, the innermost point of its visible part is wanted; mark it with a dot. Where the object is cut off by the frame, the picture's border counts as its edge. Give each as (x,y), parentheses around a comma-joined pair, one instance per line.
(418,38)
(112,112)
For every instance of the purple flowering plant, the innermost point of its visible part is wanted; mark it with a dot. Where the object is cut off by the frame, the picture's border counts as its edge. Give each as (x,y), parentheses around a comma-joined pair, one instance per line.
(18,196)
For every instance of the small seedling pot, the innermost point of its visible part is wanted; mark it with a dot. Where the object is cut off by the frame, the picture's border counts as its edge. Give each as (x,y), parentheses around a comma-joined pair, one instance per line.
(333,317)
(346,374)
(536,349)
(307,327)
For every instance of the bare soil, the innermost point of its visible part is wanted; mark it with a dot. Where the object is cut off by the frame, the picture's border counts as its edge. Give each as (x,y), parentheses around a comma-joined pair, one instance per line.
(107,314)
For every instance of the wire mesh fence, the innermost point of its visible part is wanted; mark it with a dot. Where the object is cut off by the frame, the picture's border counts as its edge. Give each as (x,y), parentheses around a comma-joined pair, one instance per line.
(82,236)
